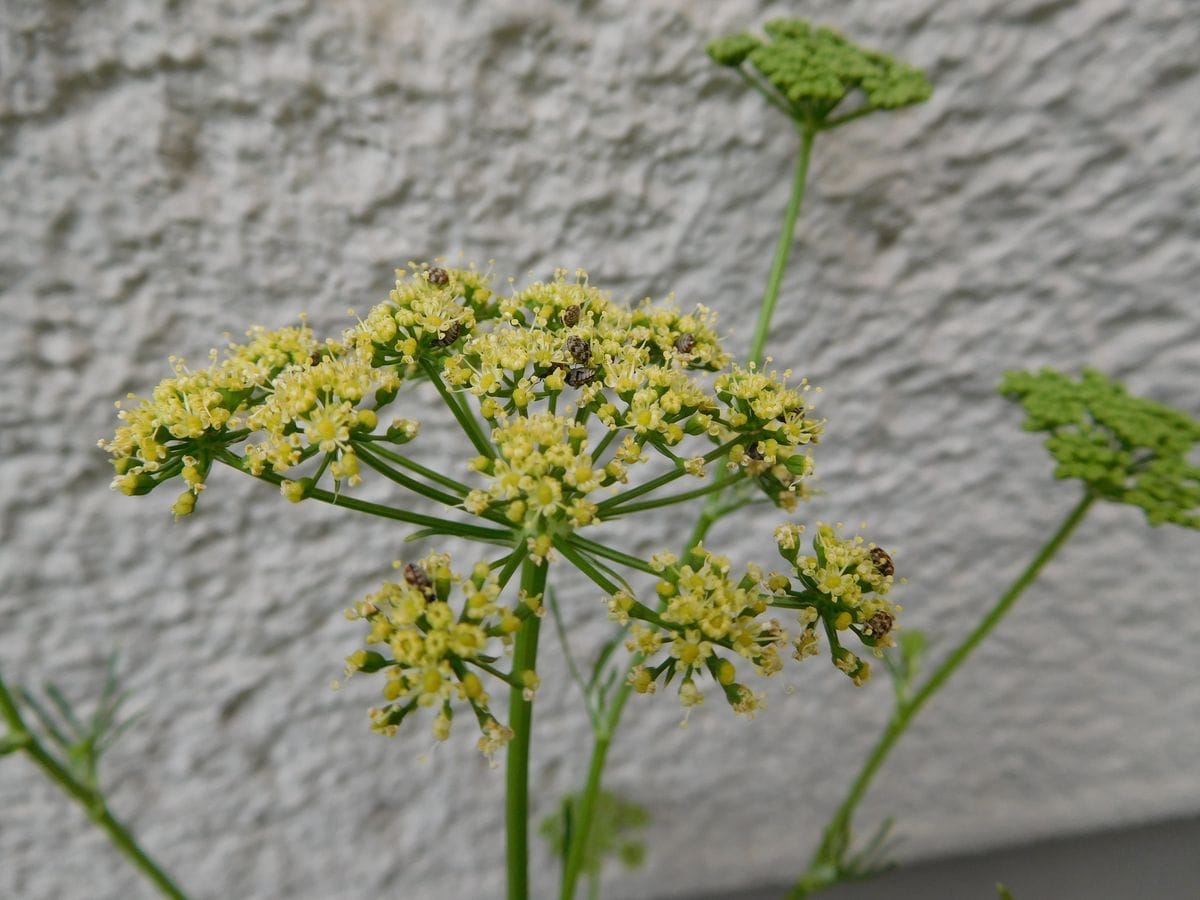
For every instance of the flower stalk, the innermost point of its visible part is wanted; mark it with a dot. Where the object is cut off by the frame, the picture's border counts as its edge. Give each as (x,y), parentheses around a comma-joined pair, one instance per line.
(520,719)
(827,865)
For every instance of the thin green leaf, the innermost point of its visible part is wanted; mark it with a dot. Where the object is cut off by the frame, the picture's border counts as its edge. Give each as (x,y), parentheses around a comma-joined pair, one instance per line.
(64,709)
(47,722)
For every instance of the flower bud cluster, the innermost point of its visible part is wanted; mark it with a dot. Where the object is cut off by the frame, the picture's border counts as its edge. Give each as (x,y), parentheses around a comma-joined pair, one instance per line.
(1123,448)
(815,69)
(843,588)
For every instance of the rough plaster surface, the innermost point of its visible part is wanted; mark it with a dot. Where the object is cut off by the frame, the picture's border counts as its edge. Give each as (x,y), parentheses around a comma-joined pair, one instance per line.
(173,171)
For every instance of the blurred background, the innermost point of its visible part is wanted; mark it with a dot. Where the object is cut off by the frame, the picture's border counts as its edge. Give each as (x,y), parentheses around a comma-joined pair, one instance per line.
(172,172)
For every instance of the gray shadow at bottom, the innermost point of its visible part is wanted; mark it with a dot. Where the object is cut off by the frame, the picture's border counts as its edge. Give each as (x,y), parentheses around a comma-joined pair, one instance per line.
(1160,861)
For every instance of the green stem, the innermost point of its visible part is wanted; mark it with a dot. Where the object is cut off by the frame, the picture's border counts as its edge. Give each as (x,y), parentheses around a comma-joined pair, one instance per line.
(91,800)
(769,95)
(462,412)
(585,809)
(520,720)
(399,459)
(506,677)
(433,523)
(665,478)
(838,827)
(425,490)
(606,552)
(783,249)
(580,562)
(681,497)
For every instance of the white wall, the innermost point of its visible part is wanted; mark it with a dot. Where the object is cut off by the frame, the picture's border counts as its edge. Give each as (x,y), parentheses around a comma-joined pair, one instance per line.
(173,171)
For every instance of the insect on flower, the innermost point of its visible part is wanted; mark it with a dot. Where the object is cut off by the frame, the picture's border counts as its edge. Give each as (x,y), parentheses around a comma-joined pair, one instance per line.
(418,578)
(883,562)
(579,349)
(449,336)
(578,376)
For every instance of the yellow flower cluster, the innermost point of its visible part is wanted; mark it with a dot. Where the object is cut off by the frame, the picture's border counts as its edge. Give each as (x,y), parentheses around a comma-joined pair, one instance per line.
(314,407)
(762,403)
(436,653)
(627,367)
(637,371)
(543,472)
(291,398)
(704,611)
(426,313)
(169,433)
(844,587)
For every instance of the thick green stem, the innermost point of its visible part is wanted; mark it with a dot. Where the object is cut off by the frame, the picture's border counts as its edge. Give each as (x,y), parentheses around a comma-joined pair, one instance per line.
(837,830)
(91,800)
(783,249)
(520,720)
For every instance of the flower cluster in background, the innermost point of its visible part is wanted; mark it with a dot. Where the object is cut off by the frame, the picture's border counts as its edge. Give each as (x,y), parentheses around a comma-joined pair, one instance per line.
(811,71)
(1126,449)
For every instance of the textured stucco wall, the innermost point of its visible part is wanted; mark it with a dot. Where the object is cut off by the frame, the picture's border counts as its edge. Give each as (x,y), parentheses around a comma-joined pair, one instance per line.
(169,172)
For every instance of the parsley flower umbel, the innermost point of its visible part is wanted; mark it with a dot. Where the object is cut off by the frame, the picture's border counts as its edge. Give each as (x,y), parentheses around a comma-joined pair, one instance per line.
(436,653)
(708,620)
(561,394)
(843,587)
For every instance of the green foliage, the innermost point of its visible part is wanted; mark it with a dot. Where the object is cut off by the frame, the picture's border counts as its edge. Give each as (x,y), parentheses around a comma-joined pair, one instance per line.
(904,661)
(80,741)
(1123,448)
(1005,893)
(614,833)
(810,71)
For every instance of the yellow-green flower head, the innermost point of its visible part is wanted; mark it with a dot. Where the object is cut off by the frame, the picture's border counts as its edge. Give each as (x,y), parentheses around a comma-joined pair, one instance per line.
(169,433)
(843,587)
(433,644)
(708,620)
(428,311)
(538,367)
(810,71)
(774,417)
(1123,448)
(314,408)
(568,337)
(543,473)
